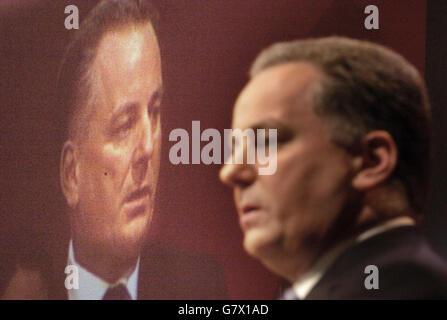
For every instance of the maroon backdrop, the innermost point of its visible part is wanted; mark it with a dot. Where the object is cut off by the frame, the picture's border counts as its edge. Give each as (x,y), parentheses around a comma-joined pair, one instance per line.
(207,47)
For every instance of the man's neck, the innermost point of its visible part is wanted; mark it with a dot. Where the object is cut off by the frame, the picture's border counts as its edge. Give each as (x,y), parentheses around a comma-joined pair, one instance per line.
(292,265)
(104,265)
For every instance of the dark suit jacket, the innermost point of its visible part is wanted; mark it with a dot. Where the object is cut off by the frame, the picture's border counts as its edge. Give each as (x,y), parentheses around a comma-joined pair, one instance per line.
(408,269)
(165,273)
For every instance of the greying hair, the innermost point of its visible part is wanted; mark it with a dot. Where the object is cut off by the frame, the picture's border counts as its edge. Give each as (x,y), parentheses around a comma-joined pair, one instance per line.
(367,87)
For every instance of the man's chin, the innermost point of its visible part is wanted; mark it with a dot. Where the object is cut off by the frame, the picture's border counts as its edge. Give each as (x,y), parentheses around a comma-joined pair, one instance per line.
(137,224)
(127,247)
(259,243)
(131,236)
(135,230)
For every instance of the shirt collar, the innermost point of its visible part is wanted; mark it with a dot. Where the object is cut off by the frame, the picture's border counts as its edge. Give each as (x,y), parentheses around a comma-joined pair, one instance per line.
(309,279)
(91,287)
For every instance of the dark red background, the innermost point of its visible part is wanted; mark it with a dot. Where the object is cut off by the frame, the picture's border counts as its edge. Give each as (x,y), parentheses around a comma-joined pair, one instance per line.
(207,47)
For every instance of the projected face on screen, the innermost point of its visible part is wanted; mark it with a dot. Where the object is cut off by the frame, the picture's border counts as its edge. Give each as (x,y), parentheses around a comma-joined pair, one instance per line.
(115,168)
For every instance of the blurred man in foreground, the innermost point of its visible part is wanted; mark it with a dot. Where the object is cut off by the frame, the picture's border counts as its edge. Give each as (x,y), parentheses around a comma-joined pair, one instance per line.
(339,217)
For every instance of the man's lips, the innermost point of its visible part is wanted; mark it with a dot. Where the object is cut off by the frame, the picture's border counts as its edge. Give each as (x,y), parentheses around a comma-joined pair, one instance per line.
(249,216)
(142,192)
(137,201)
(248,208)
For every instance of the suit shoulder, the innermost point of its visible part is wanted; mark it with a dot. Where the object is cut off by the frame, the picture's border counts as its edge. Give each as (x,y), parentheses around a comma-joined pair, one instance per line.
(405,268)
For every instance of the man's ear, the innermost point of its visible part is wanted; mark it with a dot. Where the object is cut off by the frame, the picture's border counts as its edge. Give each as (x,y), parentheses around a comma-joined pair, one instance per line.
(68,171)
(376,161)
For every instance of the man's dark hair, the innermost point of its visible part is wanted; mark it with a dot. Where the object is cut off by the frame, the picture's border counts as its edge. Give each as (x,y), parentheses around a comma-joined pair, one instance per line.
(75,78)
(367,87)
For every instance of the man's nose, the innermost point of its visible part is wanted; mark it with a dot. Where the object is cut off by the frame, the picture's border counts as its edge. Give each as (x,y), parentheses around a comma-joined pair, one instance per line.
(143,151)
(237,174)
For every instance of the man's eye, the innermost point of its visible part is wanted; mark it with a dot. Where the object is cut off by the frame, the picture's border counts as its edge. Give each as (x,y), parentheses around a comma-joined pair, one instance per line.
(272,140)
(124,126)
(283,139)
(282,136)
(261,140)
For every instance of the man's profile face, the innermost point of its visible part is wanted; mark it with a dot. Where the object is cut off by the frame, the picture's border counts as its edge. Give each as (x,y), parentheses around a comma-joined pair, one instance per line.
(119,159)
(292,211)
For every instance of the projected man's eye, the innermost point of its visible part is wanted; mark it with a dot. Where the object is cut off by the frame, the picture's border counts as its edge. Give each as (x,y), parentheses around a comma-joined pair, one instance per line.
(124,124)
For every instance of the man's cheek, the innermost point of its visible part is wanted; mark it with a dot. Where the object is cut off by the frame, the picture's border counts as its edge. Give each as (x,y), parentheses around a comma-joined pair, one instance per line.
(115,162)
